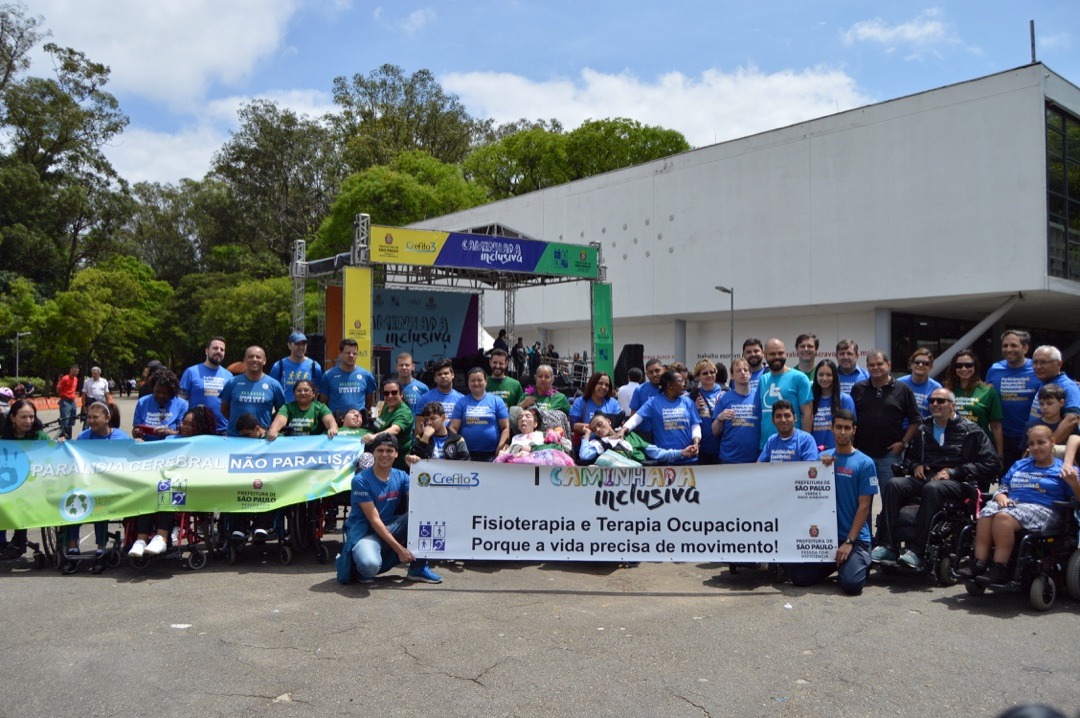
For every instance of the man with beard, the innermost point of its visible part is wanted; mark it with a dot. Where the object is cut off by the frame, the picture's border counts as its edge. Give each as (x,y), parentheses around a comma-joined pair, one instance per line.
(753,351)
(505,387)
(201,384)
(778,383)
(1016,383)
(654,369)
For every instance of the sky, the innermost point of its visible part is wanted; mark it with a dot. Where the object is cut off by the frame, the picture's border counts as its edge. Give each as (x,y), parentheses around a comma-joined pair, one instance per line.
(714,70)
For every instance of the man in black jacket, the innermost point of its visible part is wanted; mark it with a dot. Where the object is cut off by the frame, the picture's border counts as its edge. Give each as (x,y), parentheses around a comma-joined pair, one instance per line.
(946,453)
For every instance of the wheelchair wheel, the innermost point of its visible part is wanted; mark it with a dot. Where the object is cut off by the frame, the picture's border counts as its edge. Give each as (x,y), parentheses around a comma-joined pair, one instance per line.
(1042,592)
(234,554)
(944,571)
(53,556)
(322,554)
(139,563)
(112,558)
(1072,575)
(974,589)
(285,554)
(196,560)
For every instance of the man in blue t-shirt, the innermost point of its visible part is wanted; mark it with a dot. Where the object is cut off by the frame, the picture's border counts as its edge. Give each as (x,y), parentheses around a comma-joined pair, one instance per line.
(855,487)
(780,382)
(753,351)
(788,443)
(1047,364)
(378,522)
(347,386)
(1016,384)
(654,368)
(296,366)
(411,387)
(202,384)
(443,391)
(848,371)
(252,392)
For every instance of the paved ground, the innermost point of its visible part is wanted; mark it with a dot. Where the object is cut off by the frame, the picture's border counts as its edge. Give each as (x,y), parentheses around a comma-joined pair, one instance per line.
(512,639)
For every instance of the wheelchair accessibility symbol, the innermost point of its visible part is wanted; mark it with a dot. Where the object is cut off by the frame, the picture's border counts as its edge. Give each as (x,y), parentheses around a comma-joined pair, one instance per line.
(432,535)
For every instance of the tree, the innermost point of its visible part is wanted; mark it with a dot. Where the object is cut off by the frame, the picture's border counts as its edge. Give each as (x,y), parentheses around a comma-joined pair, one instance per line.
(386,112)
(413,187)
(599,146)
(283,171)
(18,34)
(250,312)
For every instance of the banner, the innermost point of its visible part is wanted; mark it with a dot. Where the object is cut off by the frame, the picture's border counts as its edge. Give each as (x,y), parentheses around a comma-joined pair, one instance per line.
(357,311)
(748,512)
(429,325)
(43,483)
(431,248)
(603,341)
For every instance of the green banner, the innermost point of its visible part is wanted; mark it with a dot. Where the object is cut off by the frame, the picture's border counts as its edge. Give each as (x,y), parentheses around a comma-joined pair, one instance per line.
(603,341)
(43,483)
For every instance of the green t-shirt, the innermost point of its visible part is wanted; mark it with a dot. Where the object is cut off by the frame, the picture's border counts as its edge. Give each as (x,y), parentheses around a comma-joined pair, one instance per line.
(359,431)
(304,423)
(403,417)
(981,404)
(508,389)
(556,401)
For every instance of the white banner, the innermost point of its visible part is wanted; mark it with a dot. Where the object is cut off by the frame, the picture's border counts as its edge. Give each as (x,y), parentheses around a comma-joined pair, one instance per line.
(741,513)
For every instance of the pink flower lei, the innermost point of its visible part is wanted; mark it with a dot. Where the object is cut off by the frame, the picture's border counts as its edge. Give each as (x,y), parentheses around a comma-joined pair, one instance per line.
(532,391)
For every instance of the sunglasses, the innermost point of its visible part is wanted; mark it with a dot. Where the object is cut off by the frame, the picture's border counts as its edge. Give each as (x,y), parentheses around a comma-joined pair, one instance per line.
(920,362)
(938,400)
(965,365)
(391,393)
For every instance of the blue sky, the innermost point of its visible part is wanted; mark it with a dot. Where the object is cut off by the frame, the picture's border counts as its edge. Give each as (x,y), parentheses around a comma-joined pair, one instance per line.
(712,70)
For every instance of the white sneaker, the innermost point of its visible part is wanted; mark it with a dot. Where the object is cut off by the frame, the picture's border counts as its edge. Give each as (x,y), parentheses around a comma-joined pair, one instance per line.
(156,546)
(137,549)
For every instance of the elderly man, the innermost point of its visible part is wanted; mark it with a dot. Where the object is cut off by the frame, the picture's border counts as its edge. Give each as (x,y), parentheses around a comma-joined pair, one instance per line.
(883,405)
(947,452)
(1047,364)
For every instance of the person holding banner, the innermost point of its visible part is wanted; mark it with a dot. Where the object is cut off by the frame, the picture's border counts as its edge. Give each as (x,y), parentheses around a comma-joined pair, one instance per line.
(855,487)
(159,413)
(672,416)
(21,424)
(303,416)
(482,419)
(788,443)
(737,418)
(596,398)
(444,391)
(104,426)
(377,528)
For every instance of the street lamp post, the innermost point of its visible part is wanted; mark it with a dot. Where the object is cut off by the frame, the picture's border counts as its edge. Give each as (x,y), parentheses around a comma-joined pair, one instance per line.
(18,335)
(730,291)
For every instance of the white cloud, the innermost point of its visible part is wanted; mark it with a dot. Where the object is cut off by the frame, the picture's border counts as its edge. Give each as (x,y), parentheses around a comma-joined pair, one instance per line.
(1055,41)
(715,107)
(925,35)
(418,20)
(170,50)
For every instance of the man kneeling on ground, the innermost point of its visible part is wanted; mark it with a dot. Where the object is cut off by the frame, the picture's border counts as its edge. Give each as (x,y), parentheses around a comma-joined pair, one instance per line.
(377,526)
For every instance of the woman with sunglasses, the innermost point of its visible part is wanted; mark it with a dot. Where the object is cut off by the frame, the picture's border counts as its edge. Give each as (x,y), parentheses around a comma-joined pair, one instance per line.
(705,397)
(395,419)
(921,362)
(976,400)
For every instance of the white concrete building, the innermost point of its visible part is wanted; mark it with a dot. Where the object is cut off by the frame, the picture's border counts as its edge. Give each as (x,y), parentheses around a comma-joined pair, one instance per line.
(900,224)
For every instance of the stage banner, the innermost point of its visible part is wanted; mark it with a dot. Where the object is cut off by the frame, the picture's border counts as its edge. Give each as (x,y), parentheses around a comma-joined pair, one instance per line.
(429,325)
(43,483)
(603,341)
(357,312)
(747,512)
(431,248)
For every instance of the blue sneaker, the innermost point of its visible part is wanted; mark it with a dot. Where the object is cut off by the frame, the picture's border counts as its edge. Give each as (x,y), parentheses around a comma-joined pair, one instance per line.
(424,575)
(883,553)
(366,580)
(911,560)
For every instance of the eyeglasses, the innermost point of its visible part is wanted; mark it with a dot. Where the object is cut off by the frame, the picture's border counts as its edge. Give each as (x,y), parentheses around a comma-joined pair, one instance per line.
(391,393)
(920,362)
(939,400)
(965,365)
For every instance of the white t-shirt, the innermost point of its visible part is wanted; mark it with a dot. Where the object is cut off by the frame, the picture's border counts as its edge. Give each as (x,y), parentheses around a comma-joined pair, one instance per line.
(96,389)
(626,393)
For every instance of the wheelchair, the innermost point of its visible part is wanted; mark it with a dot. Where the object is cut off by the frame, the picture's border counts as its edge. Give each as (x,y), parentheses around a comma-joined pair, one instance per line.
(952,535)
(191,542)
(55,541)
(280,540)
(1039,560)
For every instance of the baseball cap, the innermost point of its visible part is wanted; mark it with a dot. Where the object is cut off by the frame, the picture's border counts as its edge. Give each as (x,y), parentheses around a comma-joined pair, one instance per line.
(384,440)
(297,337)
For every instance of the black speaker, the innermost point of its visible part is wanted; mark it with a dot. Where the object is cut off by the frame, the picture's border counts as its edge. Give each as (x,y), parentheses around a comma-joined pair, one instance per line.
(316,348)
(632,355)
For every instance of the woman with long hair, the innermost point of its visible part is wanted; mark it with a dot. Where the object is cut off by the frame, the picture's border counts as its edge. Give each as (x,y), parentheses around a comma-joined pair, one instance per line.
(976,400)
(596,398)
(827,398)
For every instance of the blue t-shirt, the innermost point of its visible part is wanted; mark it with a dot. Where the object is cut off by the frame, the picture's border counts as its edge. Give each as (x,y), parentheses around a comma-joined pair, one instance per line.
(412,394)
(922,394)
(672,420)
(582,411)
(1072,397)
(1017,388)
(149,413)
(739,440)
(642,394)
(755,379)
(448,401)
(710,444)
(800,446)
(793,386)
(367,488)
(480,421)
(822,432)
(113,434)
(856,476)
(1027,483)
(288,372)
(261,397)
(202,386)
(346,390)
(848,380)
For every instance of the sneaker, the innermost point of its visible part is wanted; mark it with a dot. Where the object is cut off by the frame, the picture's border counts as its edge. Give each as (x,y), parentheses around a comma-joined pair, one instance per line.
(366,580)
(998,573)
(260,536)
(423,575)
(883,553)
(156,546)
(911,560)
(72,551)
(137,549)
(99,552)
(239,536)
(973,569)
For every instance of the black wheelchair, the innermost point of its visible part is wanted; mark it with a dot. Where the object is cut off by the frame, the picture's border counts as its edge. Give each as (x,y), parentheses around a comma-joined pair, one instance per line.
(1039,560)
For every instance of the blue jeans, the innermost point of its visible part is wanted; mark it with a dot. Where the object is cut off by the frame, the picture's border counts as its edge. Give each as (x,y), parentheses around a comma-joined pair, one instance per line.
(884,467)
(373,556)
(851,575)
(67,416)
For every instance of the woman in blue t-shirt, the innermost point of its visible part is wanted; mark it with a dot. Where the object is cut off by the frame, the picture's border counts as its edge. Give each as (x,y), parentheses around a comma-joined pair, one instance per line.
(711,379)
(672,418)
(481,419)
(596,398)
(827,396)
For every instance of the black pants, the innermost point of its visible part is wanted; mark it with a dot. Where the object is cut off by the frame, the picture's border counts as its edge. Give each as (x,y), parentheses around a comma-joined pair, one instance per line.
(162,520)
(901,491)
(1014,449)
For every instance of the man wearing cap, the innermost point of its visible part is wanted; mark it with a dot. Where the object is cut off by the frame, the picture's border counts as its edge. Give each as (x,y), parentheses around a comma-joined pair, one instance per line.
(377,527)
(202,384)
(68,387)
(296,366)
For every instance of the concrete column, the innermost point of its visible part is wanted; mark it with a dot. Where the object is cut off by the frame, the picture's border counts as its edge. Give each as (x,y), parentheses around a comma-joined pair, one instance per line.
(883,331)
(680,340)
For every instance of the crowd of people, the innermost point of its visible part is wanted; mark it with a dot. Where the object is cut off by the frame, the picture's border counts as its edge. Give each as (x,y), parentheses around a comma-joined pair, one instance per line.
(910,437)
